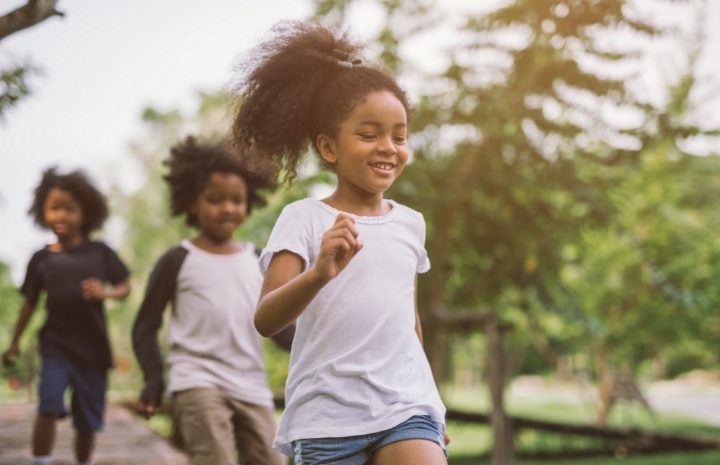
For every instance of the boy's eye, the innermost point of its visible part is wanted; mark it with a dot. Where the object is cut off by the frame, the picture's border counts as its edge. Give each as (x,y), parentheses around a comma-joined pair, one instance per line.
(367,136)
(400,140)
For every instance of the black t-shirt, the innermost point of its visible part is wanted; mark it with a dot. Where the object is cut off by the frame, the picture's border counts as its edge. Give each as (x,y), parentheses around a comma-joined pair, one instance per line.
(75,328)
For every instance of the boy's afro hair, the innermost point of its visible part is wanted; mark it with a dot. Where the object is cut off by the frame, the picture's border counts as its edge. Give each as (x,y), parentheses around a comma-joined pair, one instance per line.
(191,164)
(94,206)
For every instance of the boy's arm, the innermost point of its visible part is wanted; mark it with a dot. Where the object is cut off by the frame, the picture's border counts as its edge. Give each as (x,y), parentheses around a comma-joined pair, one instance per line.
(13,351)
(160,290)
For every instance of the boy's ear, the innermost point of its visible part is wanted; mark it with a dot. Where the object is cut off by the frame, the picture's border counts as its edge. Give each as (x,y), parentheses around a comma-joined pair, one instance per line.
(327,148)
(193,207)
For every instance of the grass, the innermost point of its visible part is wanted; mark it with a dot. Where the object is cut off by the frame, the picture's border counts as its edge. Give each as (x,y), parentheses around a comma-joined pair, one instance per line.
(695,458)
(472,443)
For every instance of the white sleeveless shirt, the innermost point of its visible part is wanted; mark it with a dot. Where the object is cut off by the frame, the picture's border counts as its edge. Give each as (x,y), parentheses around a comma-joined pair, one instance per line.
(356,365)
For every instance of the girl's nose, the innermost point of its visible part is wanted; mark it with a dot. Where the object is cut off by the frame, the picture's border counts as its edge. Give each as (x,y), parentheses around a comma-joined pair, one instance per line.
(386,146)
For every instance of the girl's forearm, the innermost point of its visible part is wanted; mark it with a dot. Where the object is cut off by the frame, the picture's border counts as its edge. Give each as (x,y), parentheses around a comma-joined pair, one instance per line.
(26,312)
(279,308)
(118,291)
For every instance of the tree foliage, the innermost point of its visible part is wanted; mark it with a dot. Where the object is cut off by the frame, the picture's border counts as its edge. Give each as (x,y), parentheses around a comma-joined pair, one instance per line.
(585,233)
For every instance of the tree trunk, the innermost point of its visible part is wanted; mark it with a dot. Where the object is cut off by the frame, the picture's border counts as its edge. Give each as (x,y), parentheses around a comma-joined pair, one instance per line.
(503,440)
(605,387)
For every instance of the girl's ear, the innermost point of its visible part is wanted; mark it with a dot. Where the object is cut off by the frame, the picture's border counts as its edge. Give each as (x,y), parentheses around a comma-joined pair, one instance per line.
(327,148)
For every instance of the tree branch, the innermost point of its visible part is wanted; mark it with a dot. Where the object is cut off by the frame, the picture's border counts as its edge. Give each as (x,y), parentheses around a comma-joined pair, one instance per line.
(32,13)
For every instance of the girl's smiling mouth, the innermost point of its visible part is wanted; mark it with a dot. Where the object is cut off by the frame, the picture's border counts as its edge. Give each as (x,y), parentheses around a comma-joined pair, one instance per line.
(382,167)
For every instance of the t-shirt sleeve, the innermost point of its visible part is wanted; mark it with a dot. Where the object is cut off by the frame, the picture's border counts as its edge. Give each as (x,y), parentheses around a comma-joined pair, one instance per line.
(160,290)
(33,283)
(292,233)
(115,269)
(423,260)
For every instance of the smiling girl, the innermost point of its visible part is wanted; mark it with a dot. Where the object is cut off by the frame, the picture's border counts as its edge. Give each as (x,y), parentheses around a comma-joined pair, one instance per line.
(360,388)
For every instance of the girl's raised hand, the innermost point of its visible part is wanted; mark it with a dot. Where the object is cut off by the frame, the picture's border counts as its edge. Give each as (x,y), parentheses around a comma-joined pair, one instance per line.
(339,245)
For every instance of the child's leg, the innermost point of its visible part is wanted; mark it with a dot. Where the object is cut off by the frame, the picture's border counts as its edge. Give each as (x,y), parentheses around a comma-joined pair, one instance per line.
(84,445)
(416,441)
(410,452)
(205,422)
(44,435)
(254,433)
(88,409)
(54,380)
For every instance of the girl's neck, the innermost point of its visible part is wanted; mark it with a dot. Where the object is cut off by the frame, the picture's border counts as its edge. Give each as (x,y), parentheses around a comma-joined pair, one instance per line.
(360,203)
(217,246)
(67,243)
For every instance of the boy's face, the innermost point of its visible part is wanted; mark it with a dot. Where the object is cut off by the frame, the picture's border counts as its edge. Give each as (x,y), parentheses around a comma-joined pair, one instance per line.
(62,213)
(222,205)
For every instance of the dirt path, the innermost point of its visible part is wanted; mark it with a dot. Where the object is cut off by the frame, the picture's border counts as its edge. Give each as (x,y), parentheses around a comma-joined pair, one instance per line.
(124,441)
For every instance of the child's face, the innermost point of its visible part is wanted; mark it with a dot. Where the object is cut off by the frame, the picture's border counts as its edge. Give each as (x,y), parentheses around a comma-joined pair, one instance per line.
(222,206)
(370,150)
(63,214)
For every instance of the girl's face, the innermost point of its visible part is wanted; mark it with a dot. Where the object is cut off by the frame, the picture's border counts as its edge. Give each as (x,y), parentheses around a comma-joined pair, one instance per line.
(370,150)
(222,205)
(62,213)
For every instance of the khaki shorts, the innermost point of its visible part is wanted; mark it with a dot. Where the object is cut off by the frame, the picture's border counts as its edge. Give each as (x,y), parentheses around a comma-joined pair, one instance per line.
(213,425)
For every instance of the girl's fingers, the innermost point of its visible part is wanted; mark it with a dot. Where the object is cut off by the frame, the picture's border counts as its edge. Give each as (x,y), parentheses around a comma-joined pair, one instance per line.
(359,246)
(345,234)
(344,220)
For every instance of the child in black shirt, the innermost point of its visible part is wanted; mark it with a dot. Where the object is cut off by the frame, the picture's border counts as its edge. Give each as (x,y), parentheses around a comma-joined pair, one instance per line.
(73,341)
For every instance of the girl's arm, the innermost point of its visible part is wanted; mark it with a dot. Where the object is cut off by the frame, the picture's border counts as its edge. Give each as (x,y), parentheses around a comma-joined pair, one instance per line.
(13,351)
(93,289)
(288,290)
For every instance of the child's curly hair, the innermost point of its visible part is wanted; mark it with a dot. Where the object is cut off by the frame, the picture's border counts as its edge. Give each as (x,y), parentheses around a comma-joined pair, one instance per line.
(192,163)
(297,85)
(94,206)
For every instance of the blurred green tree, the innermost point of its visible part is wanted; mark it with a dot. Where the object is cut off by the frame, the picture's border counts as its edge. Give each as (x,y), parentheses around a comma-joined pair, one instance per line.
(516,163)
(13,78)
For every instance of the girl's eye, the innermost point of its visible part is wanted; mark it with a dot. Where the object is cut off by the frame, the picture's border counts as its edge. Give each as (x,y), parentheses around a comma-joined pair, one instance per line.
(400,140)
(368,136)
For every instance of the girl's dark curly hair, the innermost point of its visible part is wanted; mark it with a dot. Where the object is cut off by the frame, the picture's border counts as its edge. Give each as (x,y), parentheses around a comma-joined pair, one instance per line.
(94,206)
(293,87)
(191,164)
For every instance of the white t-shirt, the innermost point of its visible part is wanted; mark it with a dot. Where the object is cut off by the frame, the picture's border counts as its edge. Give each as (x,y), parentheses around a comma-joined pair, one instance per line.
(213,340)
(356,365)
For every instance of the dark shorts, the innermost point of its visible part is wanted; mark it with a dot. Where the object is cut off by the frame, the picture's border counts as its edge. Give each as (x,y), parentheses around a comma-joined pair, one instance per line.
(357,450)
(88,393)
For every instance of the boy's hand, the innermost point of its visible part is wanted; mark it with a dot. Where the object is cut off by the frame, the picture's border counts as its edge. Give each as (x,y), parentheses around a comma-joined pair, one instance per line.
(339,245)
(93,289)
(146,409)
(446,438)
(8,358)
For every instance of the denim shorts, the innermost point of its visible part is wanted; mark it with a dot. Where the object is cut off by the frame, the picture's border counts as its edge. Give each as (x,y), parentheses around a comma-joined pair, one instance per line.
(88,396)
(357,450)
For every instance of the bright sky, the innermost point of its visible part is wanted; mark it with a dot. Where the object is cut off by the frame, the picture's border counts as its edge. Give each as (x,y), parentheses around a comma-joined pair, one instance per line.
(104,62)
